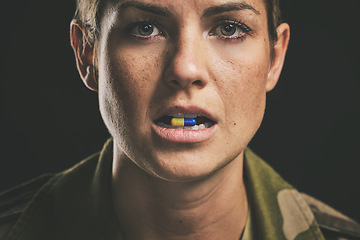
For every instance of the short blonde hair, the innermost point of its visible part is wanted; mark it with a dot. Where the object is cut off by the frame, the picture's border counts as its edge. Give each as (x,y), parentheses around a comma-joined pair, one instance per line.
(88,12)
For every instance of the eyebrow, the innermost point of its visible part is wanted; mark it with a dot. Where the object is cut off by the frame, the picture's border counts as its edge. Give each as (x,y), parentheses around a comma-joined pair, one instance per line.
(227,7)
(145,7)
(214,10)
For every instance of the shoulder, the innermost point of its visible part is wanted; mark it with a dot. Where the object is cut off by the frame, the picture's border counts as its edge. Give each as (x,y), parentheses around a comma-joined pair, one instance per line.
(333,224)
(295,206)
(14,201)
(19,201)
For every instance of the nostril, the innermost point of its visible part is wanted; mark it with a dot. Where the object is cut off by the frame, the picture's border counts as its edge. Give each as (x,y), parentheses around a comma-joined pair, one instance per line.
(197,83)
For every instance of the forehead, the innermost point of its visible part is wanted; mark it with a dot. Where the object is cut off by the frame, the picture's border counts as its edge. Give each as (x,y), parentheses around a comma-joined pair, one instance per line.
(178,7)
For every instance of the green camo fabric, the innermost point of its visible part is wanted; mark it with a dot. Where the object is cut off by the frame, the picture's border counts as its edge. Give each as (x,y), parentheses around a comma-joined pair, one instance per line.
(76,204)
(277,210)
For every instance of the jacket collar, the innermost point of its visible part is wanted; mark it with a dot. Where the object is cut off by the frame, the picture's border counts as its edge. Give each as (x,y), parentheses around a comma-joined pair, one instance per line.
(277,210)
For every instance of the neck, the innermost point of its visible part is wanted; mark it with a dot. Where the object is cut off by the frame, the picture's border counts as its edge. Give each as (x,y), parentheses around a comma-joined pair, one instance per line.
(151,208)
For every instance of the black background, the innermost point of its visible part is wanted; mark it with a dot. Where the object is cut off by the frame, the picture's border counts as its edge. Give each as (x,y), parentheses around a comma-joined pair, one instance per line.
(310,134)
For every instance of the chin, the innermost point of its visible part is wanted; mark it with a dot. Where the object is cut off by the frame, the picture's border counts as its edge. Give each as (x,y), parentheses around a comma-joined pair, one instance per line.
(189,167)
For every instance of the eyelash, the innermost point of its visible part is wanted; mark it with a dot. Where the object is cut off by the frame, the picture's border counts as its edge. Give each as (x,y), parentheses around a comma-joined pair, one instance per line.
(136,25)
(240,26)
(245,30)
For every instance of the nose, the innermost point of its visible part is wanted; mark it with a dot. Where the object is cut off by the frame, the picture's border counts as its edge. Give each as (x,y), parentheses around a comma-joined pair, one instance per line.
(187,67)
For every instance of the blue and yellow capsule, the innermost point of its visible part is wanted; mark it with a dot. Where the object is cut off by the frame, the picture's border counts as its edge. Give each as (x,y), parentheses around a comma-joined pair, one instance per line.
(181,122)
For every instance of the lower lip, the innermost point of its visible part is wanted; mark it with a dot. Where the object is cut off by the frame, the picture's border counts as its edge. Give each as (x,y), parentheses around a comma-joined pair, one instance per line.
(184,135)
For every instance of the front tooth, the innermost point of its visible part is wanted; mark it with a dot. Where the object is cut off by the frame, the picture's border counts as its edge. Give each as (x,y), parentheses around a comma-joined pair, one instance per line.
(187,127)
(195,127)
(201,126)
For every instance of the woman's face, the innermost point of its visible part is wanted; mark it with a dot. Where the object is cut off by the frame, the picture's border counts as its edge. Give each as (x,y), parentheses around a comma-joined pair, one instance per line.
(209,59)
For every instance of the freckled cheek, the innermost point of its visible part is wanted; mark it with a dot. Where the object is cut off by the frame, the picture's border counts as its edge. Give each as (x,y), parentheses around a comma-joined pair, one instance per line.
(132,81)
(243,90)
(243,79)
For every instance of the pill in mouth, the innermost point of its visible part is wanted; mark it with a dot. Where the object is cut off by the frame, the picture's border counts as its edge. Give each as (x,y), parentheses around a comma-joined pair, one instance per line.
(181,122)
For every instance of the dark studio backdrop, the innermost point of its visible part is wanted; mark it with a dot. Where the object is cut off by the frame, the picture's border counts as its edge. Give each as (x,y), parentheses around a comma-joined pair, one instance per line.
(310,134)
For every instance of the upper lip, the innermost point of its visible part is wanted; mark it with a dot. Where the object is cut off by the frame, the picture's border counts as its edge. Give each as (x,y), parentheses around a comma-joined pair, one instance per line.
(186,110)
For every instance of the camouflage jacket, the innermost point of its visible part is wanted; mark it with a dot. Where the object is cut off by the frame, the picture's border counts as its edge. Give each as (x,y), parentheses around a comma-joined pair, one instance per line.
(76,204)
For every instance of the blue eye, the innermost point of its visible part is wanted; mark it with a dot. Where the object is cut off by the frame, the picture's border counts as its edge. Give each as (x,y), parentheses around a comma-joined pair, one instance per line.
(145,30)
(231,30)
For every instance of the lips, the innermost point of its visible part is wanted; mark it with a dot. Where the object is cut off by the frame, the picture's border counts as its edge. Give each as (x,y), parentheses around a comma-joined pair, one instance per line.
(203,129)
(201,121)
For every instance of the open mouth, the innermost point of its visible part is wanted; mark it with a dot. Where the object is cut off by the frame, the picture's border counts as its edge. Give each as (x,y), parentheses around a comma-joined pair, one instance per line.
(184,121)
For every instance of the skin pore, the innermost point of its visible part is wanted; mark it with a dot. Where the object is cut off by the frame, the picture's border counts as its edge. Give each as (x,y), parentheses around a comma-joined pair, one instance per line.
(160,57)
